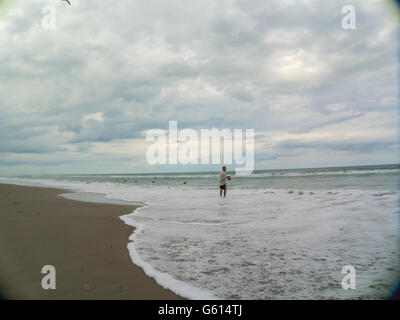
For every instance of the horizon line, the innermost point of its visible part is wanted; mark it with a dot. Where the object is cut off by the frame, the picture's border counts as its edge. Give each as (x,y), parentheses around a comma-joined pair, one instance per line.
(182,172)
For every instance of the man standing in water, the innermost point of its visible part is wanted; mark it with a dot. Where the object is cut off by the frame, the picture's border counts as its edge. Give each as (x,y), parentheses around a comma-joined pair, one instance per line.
(222,181)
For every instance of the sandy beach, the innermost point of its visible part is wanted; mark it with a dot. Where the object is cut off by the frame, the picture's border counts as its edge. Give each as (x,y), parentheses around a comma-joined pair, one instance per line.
(85,242)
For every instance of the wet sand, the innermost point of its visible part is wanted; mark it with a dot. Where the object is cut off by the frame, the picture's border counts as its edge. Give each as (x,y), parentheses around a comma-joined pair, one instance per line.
(85,242)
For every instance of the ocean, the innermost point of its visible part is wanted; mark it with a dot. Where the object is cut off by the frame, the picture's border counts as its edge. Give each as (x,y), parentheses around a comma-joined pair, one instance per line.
(279,234)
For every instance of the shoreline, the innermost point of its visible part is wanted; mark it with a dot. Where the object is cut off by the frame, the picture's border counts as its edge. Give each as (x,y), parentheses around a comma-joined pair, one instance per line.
(86,242)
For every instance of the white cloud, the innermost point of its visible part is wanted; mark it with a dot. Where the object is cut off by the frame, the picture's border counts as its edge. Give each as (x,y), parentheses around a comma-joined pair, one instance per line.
(97,116)
(112,70)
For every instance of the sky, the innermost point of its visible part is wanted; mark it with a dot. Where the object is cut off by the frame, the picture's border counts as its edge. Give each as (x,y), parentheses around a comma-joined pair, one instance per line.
(80,98)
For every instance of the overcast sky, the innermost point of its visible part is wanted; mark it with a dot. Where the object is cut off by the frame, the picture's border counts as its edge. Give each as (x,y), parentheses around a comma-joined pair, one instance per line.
(79,98)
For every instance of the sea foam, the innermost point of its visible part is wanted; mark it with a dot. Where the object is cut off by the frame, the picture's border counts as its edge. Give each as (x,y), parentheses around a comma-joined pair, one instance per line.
(262,243)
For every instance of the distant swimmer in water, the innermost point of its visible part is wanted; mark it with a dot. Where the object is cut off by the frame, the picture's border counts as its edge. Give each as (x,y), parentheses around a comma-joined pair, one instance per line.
(67,1)
(222,181)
